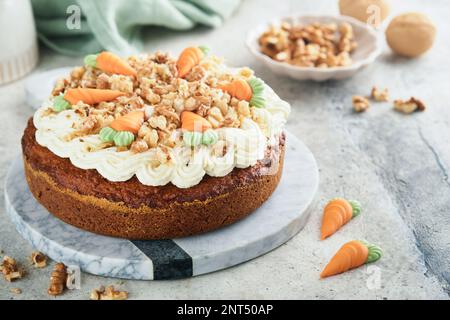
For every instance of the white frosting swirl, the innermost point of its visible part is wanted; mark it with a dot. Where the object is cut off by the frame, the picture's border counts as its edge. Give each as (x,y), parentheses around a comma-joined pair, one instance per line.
(184,168)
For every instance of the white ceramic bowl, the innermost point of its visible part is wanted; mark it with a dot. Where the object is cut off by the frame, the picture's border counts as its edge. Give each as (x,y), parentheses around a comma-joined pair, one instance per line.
(367,51)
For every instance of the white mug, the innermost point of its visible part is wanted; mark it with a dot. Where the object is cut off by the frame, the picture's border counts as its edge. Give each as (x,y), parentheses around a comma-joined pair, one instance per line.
(18,43)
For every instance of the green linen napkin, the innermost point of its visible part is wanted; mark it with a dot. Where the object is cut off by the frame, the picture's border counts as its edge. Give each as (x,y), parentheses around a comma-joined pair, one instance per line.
(116,25)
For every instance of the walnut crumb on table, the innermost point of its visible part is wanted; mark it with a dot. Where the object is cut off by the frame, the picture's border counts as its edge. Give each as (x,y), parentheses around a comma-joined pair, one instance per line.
(38,259)
(379,95)
(110,293)
(10,269)
(360,103)
(15,290)
(409,106)
(58,280)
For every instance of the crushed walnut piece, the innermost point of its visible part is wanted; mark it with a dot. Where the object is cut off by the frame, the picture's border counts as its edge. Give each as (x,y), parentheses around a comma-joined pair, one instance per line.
(360,103)
(10,269)
(58,280)
(314,45)
(38,259)
(409,106)
(15,290)
(110,293)
(139,146)
(379,95)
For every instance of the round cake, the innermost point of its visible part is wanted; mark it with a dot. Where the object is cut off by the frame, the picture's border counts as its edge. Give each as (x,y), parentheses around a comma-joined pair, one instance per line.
(151,147)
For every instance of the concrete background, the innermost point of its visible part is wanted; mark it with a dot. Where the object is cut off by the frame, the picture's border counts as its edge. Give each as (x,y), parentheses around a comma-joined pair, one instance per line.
(396,165)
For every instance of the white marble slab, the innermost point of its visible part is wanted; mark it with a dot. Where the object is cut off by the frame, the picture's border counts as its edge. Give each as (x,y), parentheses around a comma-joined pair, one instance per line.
(280,218)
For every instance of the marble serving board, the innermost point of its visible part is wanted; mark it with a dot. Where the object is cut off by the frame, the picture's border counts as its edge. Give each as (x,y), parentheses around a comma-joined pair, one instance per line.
(274,223)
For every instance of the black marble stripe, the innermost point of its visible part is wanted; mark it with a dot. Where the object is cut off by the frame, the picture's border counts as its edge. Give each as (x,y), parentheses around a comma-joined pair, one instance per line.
(169,260)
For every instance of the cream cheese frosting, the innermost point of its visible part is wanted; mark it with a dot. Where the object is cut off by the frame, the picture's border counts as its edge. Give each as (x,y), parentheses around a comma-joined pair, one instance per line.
(184,166)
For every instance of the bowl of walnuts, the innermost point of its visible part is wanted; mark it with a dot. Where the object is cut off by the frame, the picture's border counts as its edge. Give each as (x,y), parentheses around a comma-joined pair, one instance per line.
(315,47)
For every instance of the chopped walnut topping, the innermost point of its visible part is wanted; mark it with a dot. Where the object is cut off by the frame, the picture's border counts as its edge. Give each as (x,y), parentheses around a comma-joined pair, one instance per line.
(190,104)
(409,106)
(215,117)
(313,45)
(231,118)
(379,95)
(203,110)
(110,293)
(360,104)
(143,131)
(170,115)
(151,138)
(243,109)
(157,90)
(152,97)
(77,73)
(196,74)
(158,122)
(38,259)
(103,81)
(60,85)
(10,269)
(89,125)
(139,146)
(121,83)
(89,78)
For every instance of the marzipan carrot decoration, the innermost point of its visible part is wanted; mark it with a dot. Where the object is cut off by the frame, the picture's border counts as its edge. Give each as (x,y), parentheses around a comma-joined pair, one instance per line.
(336,213)
(88,96)
(191,121)
(110,63)
(189,58)
(122,130)
(249,90)
(130,122)
(351,255)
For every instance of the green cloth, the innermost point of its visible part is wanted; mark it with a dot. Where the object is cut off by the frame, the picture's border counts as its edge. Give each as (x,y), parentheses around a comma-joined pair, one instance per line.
(116,25)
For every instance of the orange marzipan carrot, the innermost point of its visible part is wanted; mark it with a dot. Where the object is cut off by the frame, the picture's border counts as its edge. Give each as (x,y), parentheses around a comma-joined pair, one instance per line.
(188,59)
(191,121)
(91,96)
(239,89)
(335,214)
(130,122)
(351,255)
(112,63)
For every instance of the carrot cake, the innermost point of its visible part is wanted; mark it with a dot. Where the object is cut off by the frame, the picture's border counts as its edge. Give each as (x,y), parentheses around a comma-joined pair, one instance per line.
(155,147)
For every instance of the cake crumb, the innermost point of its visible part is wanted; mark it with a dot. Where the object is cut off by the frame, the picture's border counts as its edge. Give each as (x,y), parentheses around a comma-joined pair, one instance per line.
(110,293)
(409,106)
(10,269)
(38,259)
(360,103)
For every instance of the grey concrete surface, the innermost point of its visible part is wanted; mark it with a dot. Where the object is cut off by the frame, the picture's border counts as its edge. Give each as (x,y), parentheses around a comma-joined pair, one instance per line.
(396,165)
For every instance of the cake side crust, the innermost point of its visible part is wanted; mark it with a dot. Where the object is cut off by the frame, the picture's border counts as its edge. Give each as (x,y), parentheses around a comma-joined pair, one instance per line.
(214,203)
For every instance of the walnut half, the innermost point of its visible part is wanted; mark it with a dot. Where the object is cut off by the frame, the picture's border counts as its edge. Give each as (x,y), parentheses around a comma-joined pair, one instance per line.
(409,106)
(360,104)
(379,95)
